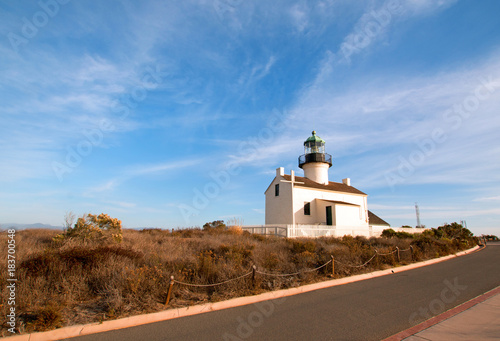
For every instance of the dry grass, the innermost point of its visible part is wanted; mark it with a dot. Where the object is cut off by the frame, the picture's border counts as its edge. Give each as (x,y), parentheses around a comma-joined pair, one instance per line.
(75,283)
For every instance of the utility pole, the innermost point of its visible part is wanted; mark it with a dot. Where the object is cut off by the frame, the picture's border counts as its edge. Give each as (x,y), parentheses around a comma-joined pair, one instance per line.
(417,211)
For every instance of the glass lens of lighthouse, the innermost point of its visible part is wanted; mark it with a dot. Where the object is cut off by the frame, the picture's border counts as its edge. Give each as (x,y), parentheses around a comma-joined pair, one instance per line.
(314,147)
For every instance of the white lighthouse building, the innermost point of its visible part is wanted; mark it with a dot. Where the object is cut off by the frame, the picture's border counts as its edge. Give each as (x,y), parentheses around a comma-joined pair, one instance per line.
(314,200)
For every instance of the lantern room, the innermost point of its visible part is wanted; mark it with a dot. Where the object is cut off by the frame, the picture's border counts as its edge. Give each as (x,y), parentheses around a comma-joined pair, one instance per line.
(315,162)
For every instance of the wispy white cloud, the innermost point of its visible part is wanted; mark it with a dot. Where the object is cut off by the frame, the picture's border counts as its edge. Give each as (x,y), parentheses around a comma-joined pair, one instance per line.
(59,98)
(259,74)
(247,81)
(264,152)
(387,119)
(391,207)
(140,171)
(298,13)
(411,208)
(222,69)
(384,113)
(445,215)
(122,204)
(426,7)
(488,199)
(105,187)
(161,167)
(374,24)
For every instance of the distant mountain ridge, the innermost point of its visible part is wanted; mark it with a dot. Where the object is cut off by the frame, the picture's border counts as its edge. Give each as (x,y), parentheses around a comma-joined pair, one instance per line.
(29,226)
(18,226)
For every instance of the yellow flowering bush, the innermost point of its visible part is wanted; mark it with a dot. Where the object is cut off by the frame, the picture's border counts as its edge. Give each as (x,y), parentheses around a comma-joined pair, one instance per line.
(93,227)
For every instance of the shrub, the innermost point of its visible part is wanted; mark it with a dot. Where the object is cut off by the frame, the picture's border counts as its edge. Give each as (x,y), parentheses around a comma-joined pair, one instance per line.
(302,245)
(215,226)
(403,235)
(455,230)
(89,282)
(46,318)
(100,228)
(388,233)
(57,261)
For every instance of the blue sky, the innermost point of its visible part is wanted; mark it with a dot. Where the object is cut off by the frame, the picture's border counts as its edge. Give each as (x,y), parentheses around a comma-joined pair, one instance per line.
(174,113)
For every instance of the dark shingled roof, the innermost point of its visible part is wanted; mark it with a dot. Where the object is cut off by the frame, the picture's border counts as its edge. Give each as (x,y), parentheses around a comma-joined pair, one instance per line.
(374,219)
(338,202)
(332,186)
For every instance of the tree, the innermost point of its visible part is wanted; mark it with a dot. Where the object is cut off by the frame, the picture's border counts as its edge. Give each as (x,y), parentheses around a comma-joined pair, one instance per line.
(217,225)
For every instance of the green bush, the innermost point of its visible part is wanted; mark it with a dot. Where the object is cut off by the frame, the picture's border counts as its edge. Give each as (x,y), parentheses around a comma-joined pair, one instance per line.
(455,230)
(215,226)
(390,233)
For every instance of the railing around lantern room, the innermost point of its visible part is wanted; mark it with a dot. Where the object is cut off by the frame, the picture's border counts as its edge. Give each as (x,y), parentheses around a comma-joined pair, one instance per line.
(315,157)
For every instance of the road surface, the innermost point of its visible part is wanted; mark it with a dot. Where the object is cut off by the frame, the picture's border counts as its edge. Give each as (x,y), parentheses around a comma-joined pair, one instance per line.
(367,310)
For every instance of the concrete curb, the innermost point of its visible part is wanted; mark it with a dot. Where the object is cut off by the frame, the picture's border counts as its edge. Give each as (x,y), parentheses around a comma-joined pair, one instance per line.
(169,314)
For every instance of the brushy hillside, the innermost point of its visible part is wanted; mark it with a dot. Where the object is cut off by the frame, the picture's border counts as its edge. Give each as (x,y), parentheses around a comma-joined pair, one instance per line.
(64,281)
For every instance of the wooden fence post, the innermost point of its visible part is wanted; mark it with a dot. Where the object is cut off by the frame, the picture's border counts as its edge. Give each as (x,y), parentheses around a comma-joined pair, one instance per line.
(411,248)
(170,289)
(253,275)
(399,259)
(333,266)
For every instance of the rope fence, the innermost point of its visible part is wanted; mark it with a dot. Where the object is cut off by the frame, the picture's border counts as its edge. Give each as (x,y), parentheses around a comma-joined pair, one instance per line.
(214,284)
(254,271)
(295,273)
(387,254)
(359,266)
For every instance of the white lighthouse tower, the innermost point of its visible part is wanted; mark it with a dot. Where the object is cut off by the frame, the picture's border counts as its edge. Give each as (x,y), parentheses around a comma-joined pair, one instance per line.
(312,200)
(315,162)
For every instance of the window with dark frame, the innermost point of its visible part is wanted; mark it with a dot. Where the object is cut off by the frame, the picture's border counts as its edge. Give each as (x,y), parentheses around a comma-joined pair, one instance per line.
(307,208)
(277,190)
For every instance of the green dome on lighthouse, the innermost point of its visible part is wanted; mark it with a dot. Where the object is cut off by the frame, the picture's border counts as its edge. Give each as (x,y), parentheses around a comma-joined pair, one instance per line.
(314,138)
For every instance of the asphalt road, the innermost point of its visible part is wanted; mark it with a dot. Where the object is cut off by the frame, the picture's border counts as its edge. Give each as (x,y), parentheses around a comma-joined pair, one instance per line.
(367,310)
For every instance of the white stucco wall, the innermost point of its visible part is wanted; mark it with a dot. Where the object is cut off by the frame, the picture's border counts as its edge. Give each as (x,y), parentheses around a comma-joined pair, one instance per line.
(320,206)
(349,216)
(279,208)
(344,215)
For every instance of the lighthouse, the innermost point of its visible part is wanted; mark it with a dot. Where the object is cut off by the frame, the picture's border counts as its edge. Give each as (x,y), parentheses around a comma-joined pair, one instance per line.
(315,161)
(313,204)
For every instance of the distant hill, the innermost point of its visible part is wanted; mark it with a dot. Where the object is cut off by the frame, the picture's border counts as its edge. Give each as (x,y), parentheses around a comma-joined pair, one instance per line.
(29,226)
(147,228)
(46,226)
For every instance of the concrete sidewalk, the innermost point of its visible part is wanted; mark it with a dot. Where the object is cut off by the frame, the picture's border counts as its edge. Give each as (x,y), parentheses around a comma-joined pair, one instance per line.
(477,319)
